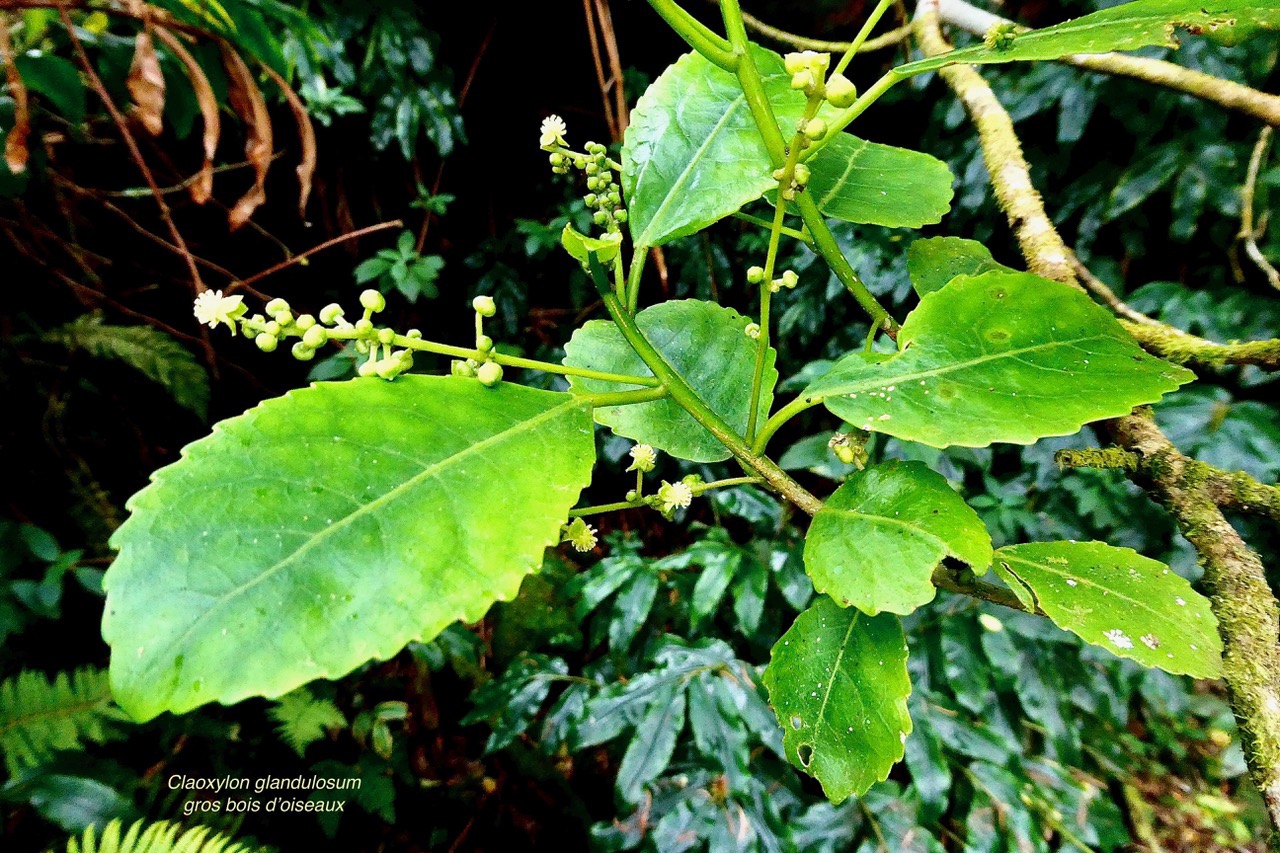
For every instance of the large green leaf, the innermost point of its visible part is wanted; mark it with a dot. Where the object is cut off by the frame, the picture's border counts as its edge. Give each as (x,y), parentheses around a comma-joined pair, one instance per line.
(692,153)
(1003,356)
(934,261)
(706,344)
(839,685)
(1125,27)
(1118,599)
(876,541)
(331,526)
(874,184)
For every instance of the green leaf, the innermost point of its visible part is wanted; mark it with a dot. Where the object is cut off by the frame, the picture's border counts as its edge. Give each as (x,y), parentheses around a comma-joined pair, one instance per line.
(692,153)
(332,526)
(876,541)
(580,246)
(1128,26)
(1118,599)
(58,80)
(149,351)
(302,719)
(874,184)
(654,742)
(934,261)
(162,837)
(39,717)
(839,685)
(1003,356)
(706,344)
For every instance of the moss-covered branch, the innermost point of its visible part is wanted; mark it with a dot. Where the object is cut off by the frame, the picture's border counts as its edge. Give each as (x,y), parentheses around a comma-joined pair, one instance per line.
(1233,490)
(1248,616)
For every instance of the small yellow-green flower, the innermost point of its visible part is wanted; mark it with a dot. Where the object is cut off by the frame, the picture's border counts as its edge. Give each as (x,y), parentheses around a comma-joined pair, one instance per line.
(213,308)
(580,535)
(553,130)
(674,496)
(643,458)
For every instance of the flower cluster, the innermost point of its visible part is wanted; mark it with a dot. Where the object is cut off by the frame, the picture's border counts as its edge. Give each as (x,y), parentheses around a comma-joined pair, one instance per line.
(808,70)
(788,279)
(388,353)
(604,195)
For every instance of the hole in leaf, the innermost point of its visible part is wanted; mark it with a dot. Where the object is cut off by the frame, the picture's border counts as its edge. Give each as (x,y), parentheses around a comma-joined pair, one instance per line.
(805,753)
(796,722)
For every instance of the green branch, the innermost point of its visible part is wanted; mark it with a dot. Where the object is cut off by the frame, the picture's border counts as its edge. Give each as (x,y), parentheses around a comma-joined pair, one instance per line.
(689,400)
(714,47)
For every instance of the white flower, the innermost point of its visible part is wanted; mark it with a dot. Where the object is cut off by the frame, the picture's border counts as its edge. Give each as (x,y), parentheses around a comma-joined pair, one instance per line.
(643,458)
(673,495)
(213,308)
(553,130)
(580,535)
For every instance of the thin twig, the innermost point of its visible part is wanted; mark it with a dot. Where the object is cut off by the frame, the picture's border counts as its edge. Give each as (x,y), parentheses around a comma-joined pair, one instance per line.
(889,39)
(95,83)
(341,238)
(1249,233)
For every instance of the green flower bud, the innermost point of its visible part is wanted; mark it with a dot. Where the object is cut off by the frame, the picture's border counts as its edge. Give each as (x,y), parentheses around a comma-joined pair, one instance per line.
(315,337)
(362,347)
(557,159)
(632,495)
(388,368)
(386,336)
(840,92)
(620,215)
(266,342)
(461,368)
(484,306)
(277,306)
(306,321)
(414,334)
(779,174)
(803,80)
(615,198)
(484,343)
(600,218)
(592,168)
(790,279)
(363,326)
(272,329)
(755,275)
(815,129)
(368,368)
(372,300)
(302,352)
(801,174)
(590,199)
(593,184)
(605,177)
(489,373)
(331,313)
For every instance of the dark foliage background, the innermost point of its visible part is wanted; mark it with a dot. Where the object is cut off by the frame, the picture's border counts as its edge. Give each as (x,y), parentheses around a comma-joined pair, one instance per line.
(616,703)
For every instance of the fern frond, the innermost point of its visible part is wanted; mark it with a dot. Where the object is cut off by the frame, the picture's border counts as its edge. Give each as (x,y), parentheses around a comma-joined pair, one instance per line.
(162,837)
(303,719)
(38,718)
(149,351)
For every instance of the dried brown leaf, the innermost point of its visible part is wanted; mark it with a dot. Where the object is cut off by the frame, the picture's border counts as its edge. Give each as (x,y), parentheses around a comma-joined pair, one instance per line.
(146,84)
(306,138)
(16,152)
(202,189)
(246,100)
